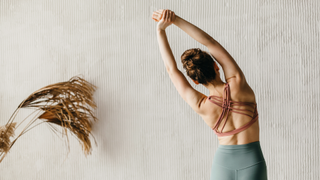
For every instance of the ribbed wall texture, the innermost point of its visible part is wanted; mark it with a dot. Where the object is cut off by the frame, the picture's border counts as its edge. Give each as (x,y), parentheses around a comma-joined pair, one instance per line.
(146,131)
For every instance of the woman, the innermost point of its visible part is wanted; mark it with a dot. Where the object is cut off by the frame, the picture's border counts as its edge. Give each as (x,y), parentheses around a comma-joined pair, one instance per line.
(230,109)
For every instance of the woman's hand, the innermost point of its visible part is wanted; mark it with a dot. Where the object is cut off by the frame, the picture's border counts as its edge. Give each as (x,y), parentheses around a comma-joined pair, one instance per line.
(165,18)
(157,15)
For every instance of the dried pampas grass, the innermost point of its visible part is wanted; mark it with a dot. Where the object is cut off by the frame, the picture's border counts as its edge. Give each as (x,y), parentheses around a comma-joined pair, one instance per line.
(68,105)
(6,132)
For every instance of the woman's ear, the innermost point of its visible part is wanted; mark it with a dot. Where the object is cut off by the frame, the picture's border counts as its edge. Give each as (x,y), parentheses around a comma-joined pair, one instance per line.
(216,66)
(196,82)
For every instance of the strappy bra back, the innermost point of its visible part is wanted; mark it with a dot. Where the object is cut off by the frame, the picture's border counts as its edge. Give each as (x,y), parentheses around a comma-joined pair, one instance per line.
(227,105)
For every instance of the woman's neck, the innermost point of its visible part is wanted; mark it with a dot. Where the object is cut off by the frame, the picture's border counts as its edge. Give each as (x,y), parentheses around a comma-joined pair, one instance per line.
(215,87)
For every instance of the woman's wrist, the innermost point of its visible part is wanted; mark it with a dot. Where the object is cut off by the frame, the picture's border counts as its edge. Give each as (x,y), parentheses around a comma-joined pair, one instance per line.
(160,31)
(159,28)
(177,18)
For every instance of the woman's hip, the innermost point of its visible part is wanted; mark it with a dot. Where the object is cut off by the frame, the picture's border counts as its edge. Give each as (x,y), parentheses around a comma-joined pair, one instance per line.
(238,156)
(239,162)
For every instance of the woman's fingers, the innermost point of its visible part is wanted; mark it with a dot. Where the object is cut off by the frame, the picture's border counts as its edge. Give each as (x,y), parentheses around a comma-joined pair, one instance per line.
(157,12)
(155,19)
(173,16)
(160,11)
(156,16)
(165,15)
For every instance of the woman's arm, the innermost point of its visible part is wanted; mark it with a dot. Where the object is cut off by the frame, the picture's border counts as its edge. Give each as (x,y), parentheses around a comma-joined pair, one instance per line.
(193,97)
(228,64)
(164,46)
(165,50)
(193,31)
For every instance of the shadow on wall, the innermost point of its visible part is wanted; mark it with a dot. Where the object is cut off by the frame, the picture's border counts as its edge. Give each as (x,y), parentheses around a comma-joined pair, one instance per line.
(110,138)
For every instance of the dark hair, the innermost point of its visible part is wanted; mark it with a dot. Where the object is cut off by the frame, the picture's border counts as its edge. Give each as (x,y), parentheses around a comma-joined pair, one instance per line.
(199,65)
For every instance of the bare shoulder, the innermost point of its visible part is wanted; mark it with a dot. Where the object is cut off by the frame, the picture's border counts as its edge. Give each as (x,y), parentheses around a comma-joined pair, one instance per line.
(240,89)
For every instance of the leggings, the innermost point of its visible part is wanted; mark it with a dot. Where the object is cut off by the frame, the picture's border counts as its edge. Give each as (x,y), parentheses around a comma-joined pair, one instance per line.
(239,162)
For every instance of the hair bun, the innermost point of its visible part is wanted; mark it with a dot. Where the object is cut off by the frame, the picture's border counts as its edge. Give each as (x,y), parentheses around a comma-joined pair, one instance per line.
(189,55)
(199,65)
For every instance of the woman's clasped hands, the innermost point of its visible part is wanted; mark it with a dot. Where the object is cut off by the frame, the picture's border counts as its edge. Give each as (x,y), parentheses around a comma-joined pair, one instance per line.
(164,18)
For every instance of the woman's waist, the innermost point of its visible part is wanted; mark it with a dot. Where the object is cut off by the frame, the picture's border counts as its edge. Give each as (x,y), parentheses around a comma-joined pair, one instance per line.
(247,154)
(250,145)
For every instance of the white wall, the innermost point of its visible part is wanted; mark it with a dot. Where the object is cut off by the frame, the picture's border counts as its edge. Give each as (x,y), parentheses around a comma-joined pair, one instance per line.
(146,131)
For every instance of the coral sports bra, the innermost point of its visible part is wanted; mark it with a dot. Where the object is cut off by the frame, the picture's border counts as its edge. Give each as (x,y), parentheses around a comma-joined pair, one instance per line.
(226,103)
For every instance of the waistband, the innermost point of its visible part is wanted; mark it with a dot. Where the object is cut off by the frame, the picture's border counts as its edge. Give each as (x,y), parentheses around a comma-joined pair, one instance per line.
(240,146)
(238,156)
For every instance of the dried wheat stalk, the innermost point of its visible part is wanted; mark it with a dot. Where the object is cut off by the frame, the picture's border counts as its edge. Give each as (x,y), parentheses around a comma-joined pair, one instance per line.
(6,132)
(68,105)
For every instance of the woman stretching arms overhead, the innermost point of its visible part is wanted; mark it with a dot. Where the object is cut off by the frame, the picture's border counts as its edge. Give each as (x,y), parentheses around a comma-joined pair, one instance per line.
(230,109)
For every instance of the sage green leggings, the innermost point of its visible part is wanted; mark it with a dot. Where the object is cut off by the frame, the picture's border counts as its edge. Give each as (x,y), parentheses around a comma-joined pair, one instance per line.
(239,162)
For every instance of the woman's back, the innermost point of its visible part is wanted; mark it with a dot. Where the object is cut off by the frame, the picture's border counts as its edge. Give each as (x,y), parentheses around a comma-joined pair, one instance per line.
(239,155)
(239,92)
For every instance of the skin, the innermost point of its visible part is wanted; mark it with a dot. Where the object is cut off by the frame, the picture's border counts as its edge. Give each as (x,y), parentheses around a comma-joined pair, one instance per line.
(239,88)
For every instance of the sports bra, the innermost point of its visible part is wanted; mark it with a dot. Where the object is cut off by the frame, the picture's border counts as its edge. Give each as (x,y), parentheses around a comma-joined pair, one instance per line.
(226,105)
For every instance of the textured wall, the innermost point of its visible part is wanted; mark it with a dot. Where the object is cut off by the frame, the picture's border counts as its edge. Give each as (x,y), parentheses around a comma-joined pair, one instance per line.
(146,131)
